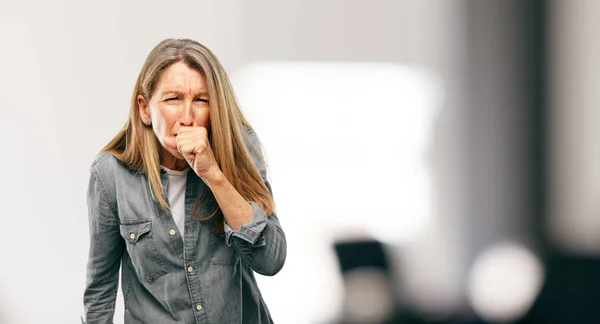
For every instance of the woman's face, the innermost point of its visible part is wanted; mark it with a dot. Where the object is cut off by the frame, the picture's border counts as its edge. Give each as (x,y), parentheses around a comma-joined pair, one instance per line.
(179,99)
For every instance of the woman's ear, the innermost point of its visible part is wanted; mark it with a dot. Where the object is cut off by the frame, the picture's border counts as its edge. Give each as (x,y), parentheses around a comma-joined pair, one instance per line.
(144,110)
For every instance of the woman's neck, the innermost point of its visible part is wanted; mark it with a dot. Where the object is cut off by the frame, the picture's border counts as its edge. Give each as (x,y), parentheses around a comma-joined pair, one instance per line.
(169,161)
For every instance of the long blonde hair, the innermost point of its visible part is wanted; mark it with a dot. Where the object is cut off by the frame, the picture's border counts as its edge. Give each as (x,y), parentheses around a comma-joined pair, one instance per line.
(137,146)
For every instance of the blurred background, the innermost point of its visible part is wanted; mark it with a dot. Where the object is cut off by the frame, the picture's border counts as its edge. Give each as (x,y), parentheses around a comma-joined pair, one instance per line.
(432,161)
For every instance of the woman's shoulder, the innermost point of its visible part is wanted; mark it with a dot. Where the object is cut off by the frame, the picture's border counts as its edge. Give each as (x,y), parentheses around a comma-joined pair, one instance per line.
(255,149)
(113,173)
(105,161)
(107,166)
(251,139)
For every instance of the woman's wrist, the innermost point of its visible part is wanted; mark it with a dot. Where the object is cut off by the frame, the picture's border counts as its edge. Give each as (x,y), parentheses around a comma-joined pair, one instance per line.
(214,178)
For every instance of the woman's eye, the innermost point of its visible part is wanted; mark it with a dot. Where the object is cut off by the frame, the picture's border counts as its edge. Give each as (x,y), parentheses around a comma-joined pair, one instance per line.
(171,99)
(202,100)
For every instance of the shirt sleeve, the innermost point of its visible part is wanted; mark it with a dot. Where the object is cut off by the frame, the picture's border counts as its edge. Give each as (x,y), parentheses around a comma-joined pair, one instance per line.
(261,243)
(105,251)
(251,232)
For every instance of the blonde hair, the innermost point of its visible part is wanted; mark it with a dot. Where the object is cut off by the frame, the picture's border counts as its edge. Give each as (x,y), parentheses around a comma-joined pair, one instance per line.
(137,146)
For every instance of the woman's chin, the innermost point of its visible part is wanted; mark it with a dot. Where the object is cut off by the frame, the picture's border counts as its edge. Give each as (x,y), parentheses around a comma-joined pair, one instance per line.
(174,153)
(177,155)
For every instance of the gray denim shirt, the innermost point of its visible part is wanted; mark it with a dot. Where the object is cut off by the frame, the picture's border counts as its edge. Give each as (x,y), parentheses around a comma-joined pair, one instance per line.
(167,276)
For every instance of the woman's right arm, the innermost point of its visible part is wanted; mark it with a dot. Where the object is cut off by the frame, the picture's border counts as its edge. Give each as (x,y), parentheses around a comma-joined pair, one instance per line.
(105,251)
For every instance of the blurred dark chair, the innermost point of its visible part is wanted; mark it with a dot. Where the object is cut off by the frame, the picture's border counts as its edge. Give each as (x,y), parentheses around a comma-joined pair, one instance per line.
(571,293)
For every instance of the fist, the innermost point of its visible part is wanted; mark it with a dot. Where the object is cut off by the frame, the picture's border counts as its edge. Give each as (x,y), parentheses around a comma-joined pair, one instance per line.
(192,143)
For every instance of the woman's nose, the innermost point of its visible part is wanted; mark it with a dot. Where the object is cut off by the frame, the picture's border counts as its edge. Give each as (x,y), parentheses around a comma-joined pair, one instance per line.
(187,117)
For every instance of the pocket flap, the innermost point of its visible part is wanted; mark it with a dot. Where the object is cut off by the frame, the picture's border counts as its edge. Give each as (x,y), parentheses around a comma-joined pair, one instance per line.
(131,231)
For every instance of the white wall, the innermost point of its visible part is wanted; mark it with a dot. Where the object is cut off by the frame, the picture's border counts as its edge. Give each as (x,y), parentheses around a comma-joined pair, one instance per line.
(67,69)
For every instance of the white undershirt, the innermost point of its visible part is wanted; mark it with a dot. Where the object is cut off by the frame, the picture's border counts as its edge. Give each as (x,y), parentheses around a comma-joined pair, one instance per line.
(176,196)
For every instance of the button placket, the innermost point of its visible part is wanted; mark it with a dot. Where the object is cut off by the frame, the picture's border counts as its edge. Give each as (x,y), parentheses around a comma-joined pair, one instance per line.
(191,232)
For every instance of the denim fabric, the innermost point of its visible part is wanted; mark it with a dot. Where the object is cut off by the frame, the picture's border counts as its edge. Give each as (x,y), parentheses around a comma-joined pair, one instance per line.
(204,278)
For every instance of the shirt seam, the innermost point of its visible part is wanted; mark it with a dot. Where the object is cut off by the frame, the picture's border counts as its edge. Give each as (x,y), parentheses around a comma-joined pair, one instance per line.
(104,191)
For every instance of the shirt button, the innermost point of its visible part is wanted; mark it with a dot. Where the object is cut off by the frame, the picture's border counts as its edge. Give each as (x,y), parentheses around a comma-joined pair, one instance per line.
(132,236)
(199,307)
(190,269)
(172,232)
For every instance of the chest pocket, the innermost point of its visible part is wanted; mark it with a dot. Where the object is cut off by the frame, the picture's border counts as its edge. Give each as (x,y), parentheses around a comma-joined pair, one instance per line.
(142,250)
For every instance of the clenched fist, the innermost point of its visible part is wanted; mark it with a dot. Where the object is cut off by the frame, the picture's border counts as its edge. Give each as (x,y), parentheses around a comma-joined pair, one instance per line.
(192,142)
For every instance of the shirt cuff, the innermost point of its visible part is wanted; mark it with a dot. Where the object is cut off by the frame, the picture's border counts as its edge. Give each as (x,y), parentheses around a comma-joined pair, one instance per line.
(250,232)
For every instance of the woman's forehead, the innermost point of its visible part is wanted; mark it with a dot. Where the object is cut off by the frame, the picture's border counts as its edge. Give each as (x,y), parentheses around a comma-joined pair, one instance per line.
(181,78)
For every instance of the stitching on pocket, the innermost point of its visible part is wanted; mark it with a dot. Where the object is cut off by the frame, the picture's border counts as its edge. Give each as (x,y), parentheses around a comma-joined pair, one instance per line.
(140,250)
(126,222)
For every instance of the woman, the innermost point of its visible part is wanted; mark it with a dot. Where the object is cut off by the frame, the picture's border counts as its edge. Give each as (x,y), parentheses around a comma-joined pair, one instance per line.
(179,201)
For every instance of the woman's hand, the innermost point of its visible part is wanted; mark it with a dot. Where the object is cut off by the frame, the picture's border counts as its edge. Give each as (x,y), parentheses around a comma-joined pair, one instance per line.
(192,142)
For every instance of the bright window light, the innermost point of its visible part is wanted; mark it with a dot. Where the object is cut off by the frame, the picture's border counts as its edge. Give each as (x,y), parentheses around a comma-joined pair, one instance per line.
(347,145)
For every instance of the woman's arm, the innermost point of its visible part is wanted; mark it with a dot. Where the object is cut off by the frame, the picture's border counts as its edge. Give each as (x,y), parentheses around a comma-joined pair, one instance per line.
(235,208)
(259,239)
(105,251)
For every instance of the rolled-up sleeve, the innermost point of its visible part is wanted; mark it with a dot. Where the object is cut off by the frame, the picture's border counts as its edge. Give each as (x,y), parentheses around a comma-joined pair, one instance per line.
(105,251)
(261,243)
(250,232)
